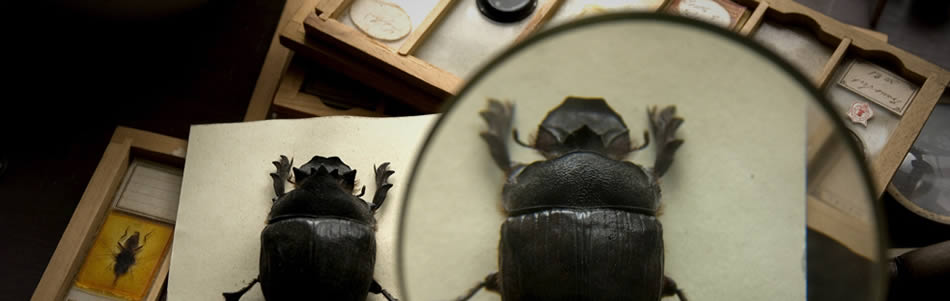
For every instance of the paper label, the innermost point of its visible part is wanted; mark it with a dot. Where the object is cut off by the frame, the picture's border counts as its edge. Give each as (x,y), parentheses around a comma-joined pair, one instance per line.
(879,85)
(722,13)
(152,190)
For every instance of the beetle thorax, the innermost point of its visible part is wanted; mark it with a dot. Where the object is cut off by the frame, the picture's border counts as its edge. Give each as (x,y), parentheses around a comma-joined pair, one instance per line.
(582,180)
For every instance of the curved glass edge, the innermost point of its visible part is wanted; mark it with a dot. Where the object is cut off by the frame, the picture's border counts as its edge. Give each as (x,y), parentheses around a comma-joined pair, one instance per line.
(908,184)
(881,277)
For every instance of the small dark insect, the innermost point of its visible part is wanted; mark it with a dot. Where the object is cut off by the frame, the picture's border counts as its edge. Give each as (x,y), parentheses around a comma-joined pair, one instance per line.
(582,223)
(125,258)
(320,241)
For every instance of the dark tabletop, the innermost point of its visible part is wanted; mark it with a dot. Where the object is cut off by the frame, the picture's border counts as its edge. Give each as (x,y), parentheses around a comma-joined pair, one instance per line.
(80,72)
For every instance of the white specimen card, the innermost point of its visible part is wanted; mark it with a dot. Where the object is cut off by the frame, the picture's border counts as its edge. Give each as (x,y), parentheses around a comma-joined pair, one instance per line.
(150,189)
(78,294)
(417,10)
(227,193)
(723,13)
(887,89)
(878,131)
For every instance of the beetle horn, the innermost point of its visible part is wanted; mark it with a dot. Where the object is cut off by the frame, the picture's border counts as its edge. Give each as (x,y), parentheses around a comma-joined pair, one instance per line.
(319,171)
(349,179)
(299,174)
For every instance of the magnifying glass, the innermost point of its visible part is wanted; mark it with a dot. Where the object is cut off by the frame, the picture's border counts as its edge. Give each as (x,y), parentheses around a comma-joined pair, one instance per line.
(766,198)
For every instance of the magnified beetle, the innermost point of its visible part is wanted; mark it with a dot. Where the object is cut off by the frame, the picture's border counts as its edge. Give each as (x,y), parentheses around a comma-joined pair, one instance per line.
(582,223)
(125,258)
(320,241)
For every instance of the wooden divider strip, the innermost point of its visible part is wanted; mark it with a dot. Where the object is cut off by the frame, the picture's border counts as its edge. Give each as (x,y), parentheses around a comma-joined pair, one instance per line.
(539,19)
(822,80)
(755,19)
(425,28)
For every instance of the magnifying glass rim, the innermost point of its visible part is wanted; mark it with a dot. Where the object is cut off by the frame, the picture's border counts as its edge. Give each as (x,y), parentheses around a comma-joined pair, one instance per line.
(877,293)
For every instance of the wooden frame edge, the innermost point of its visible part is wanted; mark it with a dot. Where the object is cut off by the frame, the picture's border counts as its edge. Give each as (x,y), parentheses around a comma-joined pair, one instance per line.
(539,19)
(832,64)
(421,32)
(905,133)
(289,100)
(275,63)
(348,39)
(847,230)
(755,19)
(331,9)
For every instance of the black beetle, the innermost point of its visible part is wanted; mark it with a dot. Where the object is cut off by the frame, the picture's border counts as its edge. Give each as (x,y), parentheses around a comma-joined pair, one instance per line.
(320,242)
(125,258)
(582,223)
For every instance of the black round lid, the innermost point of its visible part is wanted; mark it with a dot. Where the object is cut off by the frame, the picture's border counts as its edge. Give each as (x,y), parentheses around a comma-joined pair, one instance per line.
(506,11)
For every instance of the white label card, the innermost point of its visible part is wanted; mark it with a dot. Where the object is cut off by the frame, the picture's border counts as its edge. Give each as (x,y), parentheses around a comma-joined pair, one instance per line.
(151,189)
(884,88)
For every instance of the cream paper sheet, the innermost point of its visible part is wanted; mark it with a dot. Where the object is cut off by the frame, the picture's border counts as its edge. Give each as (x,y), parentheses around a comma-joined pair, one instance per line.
(226,193)
(733,201)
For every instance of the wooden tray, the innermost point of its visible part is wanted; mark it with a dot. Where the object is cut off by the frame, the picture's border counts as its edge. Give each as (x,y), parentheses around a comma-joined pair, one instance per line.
(292,100)
(96,201)
(318,33)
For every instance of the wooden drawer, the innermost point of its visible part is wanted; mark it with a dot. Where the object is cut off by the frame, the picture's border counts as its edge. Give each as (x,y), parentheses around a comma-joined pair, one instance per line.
(129,150)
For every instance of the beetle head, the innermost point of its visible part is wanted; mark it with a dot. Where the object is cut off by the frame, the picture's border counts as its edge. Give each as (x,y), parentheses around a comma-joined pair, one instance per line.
(320,168)
(583,124)
(133,240)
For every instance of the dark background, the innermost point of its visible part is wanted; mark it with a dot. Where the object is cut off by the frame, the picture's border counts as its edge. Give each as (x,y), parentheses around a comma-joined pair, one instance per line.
(79,72)
(77,69)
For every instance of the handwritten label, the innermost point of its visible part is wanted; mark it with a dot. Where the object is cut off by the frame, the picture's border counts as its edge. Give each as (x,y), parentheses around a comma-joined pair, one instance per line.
(719,12)
(381,20)
(152,190)
(878,85)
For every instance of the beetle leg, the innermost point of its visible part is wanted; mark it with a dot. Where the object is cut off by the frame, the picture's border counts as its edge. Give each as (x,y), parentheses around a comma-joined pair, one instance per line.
(282,174)
(378,289)
(235,296)
(490,284)
(498,116)
(670,289)
(664,125)
(382,185)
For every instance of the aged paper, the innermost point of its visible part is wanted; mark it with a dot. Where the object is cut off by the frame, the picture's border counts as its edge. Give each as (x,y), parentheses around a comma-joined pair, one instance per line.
(78,294)
(227,191)
(381,20)
(723,13)
(879,85)
(150,189)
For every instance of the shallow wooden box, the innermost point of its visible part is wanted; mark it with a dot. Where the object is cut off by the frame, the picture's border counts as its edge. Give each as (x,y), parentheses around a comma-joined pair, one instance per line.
(90,213)
(292,100)
(317,33)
